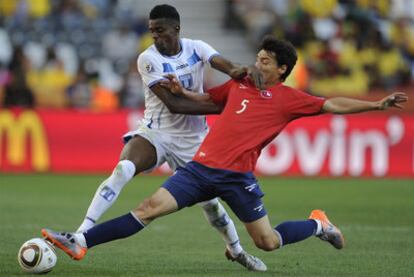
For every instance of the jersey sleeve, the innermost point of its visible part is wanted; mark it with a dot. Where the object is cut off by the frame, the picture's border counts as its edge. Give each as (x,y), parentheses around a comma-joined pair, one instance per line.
(205,51)
(219,94)
(304,104)
(151,71)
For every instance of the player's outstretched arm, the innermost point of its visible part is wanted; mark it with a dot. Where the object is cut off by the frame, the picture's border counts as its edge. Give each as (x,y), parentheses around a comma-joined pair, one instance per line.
(237,71)
(343,105)
(181,101)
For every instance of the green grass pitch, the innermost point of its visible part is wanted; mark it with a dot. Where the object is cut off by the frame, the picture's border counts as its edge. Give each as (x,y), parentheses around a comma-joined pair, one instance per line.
(376,217)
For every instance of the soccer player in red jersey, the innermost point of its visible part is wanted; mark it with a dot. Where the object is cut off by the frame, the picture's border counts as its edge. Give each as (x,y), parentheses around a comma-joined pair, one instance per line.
(224,163)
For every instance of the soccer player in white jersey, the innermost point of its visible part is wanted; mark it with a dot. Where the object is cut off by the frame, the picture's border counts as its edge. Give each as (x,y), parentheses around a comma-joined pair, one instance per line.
(169,133)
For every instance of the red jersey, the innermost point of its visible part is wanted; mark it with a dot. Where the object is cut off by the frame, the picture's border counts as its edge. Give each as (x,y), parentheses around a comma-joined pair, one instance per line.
(250,120)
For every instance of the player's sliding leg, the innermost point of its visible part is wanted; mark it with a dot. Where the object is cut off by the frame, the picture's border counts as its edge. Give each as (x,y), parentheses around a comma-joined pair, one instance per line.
(219,219)
(77,244)
(137,155)
(318,224)
(268,239)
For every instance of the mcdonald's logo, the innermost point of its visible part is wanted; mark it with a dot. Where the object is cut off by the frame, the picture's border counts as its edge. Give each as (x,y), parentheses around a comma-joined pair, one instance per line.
(15,131)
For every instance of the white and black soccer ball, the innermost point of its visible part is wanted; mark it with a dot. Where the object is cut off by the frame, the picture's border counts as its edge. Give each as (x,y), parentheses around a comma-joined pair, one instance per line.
(37,256)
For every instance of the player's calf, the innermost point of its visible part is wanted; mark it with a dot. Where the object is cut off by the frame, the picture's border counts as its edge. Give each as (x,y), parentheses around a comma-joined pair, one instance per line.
(107,193)
(220,220)
(215,213)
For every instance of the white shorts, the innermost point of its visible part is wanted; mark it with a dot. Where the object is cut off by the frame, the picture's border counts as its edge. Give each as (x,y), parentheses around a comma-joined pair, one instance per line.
(175,150)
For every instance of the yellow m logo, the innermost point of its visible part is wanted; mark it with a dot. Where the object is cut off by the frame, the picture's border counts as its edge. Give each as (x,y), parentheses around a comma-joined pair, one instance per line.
(15,131)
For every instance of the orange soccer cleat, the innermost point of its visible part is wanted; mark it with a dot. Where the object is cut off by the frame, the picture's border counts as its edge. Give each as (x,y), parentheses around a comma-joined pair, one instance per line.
(67,242)
(330,232)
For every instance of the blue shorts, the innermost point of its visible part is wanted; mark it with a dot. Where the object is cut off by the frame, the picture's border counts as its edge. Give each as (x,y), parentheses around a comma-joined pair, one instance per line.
(196,183)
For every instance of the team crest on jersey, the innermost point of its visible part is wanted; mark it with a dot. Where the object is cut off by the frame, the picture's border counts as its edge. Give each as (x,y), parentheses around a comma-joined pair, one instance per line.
(149,68)
(266,94)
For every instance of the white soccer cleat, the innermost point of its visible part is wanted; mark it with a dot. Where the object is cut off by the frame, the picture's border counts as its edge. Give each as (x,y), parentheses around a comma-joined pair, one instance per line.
(248,261)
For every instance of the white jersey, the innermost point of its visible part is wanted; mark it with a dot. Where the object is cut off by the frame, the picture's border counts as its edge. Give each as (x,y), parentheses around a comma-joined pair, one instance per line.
(188,67)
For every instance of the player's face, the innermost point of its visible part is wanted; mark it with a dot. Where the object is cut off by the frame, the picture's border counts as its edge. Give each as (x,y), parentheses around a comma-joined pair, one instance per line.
(165,35)
(266,63)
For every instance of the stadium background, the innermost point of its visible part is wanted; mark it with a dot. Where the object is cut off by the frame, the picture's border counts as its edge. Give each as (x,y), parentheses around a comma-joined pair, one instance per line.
(67,83)
(69,90)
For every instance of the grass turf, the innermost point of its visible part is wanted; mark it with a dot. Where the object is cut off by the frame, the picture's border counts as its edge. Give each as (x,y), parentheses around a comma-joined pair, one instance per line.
(376,217)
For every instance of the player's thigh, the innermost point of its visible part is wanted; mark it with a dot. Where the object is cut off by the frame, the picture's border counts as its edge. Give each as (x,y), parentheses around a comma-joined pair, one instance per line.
(158,204)
(141,152)
(263,234)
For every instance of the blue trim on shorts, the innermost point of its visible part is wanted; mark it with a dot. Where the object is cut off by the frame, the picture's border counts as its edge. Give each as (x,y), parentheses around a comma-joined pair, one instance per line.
(197,183)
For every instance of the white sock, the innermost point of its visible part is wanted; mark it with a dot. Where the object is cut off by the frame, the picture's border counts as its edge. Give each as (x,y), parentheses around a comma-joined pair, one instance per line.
(279,236)
(107,193)
(319,230)
(81,239)
(219,219)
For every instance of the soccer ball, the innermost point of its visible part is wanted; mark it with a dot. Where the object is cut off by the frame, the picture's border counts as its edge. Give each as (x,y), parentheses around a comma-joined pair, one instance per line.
(37,256)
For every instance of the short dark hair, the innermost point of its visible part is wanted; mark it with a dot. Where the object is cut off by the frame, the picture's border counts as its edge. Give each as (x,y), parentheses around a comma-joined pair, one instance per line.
(284,51)
(164,11)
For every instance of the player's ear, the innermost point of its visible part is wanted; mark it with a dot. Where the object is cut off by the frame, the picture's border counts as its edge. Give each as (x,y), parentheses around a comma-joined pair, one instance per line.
(177,28)
(282,69)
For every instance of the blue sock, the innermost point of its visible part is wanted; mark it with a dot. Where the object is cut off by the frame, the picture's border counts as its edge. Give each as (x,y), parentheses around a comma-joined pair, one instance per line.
(294,231)
(118,228)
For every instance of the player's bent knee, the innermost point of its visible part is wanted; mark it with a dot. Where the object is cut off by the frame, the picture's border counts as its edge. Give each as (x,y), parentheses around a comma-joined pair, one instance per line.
(148,210)
(160,203)
(143,212)
(267,243)
(267,246)
(141,152)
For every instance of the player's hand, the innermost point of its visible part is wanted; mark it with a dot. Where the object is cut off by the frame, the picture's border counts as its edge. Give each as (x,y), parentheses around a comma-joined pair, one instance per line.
(254,74)
(238,72)
(172,84)
(394,100)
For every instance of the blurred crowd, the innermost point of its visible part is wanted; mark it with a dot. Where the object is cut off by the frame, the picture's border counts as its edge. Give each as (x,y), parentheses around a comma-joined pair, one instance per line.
(345,46)
(71,53)
(82,53)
